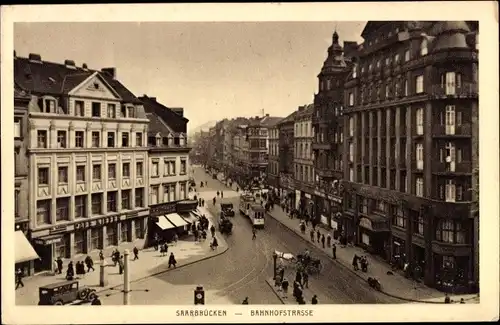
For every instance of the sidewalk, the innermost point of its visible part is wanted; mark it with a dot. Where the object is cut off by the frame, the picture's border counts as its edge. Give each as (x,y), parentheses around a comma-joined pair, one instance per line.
(150,263)
(396,286)
(290,299)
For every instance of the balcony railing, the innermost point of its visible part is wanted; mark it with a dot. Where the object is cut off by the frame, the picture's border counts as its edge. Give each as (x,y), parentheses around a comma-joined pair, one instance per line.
(466,90)
(462,130)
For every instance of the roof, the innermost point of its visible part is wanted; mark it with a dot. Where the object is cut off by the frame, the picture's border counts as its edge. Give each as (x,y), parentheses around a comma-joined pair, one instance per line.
(372,26)
(306,110)
(20,93)
(57,79)
(289,118)
(270,121)
(156,125)
(174,121)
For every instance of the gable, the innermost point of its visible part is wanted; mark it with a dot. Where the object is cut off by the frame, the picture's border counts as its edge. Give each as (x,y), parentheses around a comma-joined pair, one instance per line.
(95,87)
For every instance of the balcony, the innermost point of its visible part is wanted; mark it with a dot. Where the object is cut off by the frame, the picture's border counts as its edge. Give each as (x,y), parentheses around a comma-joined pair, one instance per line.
(321,146)
(461,168)
(466,90)
(451,131)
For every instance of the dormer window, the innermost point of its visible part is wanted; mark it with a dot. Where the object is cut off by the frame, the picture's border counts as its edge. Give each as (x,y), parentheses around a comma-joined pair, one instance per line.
(170,140)
(423,48)
(158,141)
(182,140)
(130,111)
(49,105)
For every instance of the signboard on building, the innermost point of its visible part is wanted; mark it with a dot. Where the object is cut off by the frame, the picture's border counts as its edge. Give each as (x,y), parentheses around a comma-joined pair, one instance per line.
(163,208)
(57,229)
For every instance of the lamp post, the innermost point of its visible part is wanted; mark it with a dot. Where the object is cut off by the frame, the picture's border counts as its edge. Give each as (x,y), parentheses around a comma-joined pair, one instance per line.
(126,278)
(102,281)
(275,257)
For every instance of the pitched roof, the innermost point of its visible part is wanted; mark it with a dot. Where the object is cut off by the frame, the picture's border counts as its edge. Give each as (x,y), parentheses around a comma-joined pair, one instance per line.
(20,93)
(371,26)
(176,122)
(270,121)
(289,118)
(57,79)
(156,125)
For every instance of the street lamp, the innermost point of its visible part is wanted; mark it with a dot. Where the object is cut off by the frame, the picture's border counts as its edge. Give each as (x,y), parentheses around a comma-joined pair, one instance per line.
(126,278)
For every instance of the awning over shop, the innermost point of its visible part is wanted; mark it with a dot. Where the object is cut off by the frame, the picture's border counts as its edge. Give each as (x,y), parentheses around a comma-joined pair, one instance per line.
(23,249)
(164,223)
(374,223)
(176,219)
(196,213)
(189,217)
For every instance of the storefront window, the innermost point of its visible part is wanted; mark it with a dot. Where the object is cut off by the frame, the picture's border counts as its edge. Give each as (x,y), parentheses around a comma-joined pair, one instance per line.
(80,242)
(62,247)
(95,238)
(418,226)
(111,234)
(124,232)
(449,231)
(138,228)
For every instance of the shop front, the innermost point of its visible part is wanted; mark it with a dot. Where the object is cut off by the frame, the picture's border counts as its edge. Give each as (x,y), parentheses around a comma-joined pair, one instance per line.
(25,254)
(453,268)
(373,234)
(166,222)
(188,210)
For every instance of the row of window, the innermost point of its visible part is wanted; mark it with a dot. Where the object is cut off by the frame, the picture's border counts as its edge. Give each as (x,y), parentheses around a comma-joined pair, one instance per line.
(79,139)
(450,83)
(304,173)
(322,136)
(169,168)
(303,129)
(62,173)
(303,150)
(450,118)
(80,207)
(169,194)
(62,248)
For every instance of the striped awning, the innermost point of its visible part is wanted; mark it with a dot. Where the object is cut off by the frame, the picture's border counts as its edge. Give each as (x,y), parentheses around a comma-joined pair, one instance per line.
(176,219)
(164,223)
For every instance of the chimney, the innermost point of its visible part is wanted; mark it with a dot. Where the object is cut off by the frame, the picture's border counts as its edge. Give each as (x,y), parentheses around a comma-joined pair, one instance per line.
(33,57)
(110,71)
(85,67)
(267,115)
(70,64)
(178,110)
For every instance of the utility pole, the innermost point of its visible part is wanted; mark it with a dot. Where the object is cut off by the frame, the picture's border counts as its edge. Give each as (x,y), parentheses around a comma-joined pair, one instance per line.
(126,278)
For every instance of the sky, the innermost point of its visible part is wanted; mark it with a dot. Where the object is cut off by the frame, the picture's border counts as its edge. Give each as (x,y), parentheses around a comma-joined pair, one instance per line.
(214,70)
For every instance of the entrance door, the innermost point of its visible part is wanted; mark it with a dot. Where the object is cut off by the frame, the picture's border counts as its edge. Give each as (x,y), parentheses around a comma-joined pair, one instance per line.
(45,261)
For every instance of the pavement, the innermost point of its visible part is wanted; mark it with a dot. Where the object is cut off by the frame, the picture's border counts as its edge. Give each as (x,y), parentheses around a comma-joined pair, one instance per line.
(149,264)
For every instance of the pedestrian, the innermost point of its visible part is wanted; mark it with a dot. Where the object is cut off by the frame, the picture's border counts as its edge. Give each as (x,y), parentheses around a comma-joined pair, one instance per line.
(253,233)
(334,251)
(284,286)
(221,194)
(59,264)
(212,230)
(164,249)
(312,235)
(70,272)
(314,300)
(245,301)
(116,256)
(277,282)
(214,243)
(19,278)
(462,301)
(101,256)
(90,263)
(218,193)
(196,198)
(298,277)
(171,260)
(328,240)
(323,240)
(120,264)
(136,253)
(214,200)
(202,202)
(282,273)
(447,299)
(318,235)
(305,280)
(355,262)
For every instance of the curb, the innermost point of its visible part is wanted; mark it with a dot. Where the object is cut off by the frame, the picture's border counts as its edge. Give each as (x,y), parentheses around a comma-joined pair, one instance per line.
(352,271)
(166,270)
(275,292)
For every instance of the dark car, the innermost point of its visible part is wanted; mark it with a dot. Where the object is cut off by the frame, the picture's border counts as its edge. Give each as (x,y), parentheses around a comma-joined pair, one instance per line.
(62,293)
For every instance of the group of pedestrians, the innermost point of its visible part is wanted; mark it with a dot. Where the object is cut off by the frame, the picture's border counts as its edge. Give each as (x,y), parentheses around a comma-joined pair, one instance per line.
(360,261)
(301,282)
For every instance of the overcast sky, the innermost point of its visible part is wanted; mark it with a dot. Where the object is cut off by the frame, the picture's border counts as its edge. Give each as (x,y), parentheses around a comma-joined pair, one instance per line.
(213,70)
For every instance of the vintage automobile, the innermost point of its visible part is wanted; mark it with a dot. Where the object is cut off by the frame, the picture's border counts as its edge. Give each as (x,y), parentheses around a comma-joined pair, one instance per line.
(227,209)
(65,292)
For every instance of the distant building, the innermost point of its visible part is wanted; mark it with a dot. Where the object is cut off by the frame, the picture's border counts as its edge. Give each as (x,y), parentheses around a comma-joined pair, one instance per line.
(303,160)
(87,154)
(286,158)
(411,144)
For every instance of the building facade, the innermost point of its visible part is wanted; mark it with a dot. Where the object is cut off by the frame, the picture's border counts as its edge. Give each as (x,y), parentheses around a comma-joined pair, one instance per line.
(168,166)
(25,254)
(273,164)
(303,160)
(87,154)
(327,144)
(411,143)
(286,161)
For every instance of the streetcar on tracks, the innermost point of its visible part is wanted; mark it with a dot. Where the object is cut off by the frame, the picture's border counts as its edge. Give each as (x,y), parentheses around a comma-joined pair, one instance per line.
(246,200)
(256,214)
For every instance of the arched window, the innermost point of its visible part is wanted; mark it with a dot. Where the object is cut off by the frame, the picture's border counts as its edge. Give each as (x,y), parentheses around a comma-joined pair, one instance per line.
(423,47)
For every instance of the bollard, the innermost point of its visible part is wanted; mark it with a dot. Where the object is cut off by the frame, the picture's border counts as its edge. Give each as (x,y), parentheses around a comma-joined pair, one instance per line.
(102,281)
(126,279)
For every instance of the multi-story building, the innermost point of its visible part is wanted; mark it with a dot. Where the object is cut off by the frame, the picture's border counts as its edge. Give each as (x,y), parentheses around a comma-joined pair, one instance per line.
(274,158)
(303,160)
(328,125)
(411,143)
(230,157)
(87,152)
(168,167)
(212,148)
(24,252)
(286,158)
